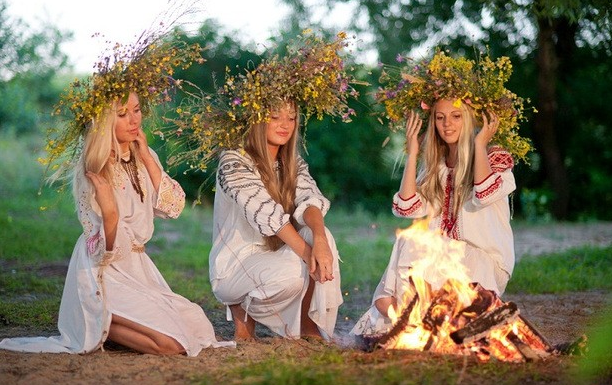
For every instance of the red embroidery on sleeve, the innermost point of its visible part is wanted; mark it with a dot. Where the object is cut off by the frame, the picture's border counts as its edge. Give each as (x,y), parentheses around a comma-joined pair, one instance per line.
(490,190)
(500,159)
(407,211)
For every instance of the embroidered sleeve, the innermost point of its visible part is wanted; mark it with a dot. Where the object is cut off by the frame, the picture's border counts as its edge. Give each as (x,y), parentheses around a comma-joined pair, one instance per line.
(89,214)
(307,193)
(500,159)
(412,207)
(170,198)
(238,178)
(500,183)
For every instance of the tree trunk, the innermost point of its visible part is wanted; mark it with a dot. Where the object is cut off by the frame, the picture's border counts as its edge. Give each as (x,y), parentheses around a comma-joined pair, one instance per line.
(545,124)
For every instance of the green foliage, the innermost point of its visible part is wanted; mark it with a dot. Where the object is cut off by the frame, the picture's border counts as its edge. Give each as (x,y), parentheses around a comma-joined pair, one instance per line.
(578,269)
(221,51)
(583,38)
(595,367)
(29,60)
(347,160)
(36,312)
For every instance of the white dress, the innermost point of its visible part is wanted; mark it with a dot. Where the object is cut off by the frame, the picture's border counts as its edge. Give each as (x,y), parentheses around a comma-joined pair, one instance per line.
(124,281)
(269,285)
(481,231)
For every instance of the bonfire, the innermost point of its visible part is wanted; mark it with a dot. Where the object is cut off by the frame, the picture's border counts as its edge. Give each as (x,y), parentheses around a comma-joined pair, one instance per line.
(442,311)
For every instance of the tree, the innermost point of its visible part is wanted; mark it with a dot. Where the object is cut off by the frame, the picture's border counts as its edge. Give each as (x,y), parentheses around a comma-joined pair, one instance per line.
(551,33)
(29,61)
(221,51)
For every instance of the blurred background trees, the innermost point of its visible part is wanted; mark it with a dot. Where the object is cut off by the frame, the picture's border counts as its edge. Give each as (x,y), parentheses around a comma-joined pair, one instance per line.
(561,51)
(30,59)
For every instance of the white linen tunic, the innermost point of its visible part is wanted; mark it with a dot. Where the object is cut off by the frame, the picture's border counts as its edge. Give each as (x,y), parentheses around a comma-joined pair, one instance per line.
(124,281)
(482,229)
(269,285)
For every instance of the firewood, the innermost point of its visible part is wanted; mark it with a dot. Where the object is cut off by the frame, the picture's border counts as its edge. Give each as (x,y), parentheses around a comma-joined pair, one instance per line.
(481,303)
(401,323)
(481,325)
(528,353)
(441,305)
(532,336)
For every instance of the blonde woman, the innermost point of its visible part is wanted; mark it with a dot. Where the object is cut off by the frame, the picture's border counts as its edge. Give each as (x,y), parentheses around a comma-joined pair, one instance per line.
(464,184)
(113,289)
(273,261)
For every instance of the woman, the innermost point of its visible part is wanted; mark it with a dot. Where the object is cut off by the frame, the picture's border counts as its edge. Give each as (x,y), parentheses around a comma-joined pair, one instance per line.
(463,184)
(273,261)
(113,290)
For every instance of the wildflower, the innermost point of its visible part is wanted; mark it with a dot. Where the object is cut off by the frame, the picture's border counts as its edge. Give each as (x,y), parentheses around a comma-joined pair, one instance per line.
(480,84)
(312,73)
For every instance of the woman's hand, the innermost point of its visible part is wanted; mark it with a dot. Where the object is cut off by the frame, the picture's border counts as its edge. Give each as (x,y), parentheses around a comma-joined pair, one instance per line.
(322,260)
(104,193)
(489,128)
(143,146)
(413,126)
(153,169)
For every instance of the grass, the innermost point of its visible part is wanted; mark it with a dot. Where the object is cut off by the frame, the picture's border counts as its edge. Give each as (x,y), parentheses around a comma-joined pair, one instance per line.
(577,269)
(35,246)
(349,367)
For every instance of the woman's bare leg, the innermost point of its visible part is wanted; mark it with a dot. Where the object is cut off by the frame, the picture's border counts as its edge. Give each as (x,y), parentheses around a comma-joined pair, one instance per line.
(308,326)
(243,330)
(141,338)
(382,304)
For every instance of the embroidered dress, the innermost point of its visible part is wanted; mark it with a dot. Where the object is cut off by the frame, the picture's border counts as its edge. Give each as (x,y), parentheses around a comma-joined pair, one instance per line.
(123,281)
(481,228)
(269,285)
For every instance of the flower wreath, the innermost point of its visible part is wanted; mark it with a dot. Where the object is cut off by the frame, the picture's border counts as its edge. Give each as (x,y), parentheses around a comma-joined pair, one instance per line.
(312,73)
(480,84)
(145,68)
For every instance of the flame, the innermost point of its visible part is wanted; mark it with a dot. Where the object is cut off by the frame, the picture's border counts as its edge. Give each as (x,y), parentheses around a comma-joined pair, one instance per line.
(441,286)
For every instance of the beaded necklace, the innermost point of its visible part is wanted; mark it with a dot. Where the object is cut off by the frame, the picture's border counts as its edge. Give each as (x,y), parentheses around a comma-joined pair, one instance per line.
(131,169)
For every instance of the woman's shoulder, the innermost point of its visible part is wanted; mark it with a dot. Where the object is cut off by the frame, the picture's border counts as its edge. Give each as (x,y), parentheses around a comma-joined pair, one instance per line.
(500,159)
(235,160)
(234,156)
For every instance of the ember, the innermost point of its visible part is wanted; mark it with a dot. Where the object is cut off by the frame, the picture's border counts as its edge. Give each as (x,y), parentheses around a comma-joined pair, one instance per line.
(442,311)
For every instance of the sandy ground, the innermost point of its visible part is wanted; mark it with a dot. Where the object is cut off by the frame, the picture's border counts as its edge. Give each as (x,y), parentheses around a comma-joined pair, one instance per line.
(560,318)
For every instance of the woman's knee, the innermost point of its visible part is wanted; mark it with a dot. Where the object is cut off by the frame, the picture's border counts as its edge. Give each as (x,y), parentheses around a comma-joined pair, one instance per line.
(167,345)
(292,286)
(384,304)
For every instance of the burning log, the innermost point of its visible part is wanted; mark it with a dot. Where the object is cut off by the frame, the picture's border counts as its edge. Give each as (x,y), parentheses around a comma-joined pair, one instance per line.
(481,303)
(369,343)
(532,336)
(502,349)
(481,325)
(528,353)
(441,306)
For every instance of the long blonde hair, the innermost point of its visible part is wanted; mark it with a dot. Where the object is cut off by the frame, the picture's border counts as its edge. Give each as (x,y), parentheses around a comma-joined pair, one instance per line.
(100,152)
(436,151)
(282,185)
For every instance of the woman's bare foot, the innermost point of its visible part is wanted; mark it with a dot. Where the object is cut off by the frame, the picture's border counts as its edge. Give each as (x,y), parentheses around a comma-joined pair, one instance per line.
(244,330)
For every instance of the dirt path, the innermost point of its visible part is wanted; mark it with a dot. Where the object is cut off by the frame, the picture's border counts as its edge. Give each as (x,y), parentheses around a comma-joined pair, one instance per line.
(546,238)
